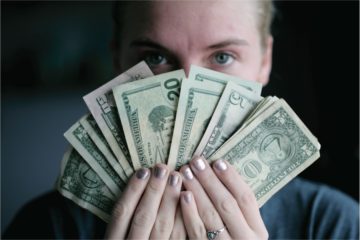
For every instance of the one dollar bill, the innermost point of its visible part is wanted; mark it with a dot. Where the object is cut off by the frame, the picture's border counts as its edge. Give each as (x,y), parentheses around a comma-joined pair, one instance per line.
(79,182)
(81,141)
(102,106)
(91,127)
(271,150)
(211,77)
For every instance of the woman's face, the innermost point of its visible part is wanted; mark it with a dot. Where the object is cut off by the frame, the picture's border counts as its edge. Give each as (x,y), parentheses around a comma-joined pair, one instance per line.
(169,35)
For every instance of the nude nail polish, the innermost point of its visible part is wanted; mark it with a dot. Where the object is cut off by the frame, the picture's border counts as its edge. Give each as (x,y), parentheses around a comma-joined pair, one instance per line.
(187,197)
(188,174)
(173,180)
(142,173)
(220,165)
(160,172)
(199,164)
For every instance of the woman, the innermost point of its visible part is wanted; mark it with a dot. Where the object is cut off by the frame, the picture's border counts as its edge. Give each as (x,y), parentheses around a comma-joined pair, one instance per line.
(232,37)
(228,36)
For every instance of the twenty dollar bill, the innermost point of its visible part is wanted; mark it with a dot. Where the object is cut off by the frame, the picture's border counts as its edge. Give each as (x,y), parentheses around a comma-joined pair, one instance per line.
(147,110)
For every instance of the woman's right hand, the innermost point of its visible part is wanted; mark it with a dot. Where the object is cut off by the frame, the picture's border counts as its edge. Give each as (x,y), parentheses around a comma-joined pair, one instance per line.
(148,207)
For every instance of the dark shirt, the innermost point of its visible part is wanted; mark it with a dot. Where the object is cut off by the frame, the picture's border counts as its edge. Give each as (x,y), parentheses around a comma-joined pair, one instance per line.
(300,210)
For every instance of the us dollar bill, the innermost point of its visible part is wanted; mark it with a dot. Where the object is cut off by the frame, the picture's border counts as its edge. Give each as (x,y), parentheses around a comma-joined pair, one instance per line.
(102,106)
(235,104)
(91,127)
(271,150)
(261,107)
(81,141)
(210,77)
(81,184)
(147,111)
(196,105)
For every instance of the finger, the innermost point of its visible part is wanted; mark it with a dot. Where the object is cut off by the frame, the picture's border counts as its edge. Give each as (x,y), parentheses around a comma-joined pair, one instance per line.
(224,202)
(193,223)
(207,211)
(125,207)
(242,193)
(179,231)
(164,222)
(145,213)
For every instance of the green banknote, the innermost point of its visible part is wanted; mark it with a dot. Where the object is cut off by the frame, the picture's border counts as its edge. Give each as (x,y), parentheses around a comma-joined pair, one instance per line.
(91,127)
(79,182)
(102,106)
(147,111)
(234,105)
(81,141)
(210,77)
(271,150)
(196,105)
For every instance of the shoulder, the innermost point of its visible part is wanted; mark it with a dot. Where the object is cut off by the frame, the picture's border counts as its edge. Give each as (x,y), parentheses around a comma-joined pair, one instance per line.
(53,216)
(304,209)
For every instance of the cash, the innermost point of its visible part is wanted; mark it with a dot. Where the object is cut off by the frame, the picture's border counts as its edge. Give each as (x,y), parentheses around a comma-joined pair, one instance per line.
(147,111)
(102,106)
(234,105)
(80,183)
(170,119)
(196,105)
(92,129)
(81,141)
(271,150)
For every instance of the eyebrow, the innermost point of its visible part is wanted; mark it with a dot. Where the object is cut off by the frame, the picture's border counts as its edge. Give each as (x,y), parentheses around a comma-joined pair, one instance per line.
(235,41)
(145,42)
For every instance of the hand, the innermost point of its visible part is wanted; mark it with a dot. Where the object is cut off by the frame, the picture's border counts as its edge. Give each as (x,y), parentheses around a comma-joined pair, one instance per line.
(147,207)
(218,198)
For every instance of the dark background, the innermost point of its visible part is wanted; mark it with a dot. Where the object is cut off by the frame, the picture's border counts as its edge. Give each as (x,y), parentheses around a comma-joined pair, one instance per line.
(53,53)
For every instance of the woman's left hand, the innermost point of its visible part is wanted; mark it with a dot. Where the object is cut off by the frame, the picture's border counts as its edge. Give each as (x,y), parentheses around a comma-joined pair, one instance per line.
(219,203)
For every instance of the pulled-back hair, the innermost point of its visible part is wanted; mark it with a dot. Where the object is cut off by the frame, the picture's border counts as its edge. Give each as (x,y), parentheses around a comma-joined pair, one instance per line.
(265,12)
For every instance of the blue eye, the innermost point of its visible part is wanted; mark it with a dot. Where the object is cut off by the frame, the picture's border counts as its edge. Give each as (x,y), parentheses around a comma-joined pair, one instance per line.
(155,59)
(223,58)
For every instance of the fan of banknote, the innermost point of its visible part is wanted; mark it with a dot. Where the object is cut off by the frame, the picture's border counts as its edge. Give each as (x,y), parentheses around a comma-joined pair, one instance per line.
(137,120)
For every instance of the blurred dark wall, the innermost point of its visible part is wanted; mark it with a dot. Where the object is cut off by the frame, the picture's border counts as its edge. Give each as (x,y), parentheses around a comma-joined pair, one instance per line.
(53,53)
(316,69)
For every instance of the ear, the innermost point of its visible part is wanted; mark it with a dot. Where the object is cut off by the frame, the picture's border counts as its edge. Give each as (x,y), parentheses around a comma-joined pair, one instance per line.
(114,47)
(266,62)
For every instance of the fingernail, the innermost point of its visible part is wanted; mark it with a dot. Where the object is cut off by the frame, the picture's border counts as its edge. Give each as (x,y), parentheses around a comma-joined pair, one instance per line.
(174,179)
(188,174)
(160,172)
(220,165)
(199,164)
(187,197)
(142,173)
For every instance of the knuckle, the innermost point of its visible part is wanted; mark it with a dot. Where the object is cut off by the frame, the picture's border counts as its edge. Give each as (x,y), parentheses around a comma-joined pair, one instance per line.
(249,236)
(142,218)
(198,231)
(162,226)
(264,234)
(208,215)
(133,187)
(119,211)
(227,206)
(178,232)
(154,187)
(247,198)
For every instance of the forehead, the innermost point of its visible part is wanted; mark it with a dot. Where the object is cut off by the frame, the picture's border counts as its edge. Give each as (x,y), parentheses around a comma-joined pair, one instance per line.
(189,16)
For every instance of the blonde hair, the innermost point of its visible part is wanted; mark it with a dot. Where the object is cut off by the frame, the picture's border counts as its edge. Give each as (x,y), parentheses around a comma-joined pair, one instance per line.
(265,12)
